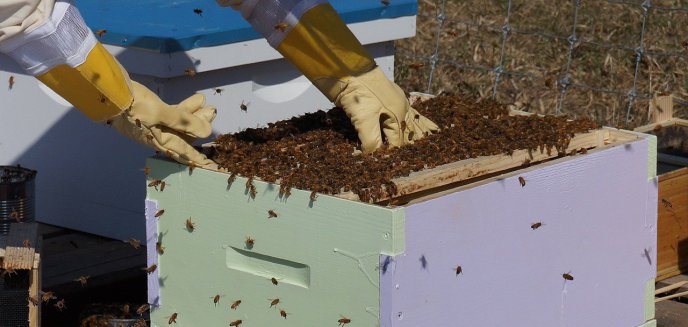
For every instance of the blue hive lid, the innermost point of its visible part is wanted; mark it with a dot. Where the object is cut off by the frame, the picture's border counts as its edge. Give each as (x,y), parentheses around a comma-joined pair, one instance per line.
(167,26)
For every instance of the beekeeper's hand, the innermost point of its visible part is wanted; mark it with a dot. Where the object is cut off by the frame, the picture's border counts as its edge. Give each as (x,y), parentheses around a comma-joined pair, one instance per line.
(377,105)
(169,129)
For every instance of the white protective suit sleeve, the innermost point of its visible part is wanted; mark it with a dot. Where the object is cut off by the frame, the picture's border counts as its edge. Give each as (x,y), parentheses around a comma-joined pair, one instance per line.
(19,16)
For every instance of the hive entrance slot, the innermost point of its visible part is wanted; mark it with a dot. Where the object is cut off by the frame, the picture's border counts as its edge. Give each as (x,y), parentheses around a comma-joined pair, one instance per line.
(284,271)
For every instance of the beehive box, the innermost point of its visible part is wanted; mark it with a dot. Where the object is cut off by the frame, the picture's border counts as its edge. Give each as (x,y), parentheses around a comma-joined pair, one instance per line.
(156,41)
(591,262)
(672,220)
(20,276)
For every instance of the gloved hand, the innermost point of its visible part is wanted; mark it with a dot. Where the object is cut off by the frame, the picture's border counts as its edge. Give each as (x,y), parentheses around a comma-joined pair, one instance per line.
(371,99)
(167,128)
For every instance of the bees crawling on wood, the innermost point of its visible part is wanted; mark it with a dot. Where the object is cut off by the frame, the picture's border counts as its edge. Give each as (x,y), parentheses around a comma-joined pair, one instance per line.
(173,319)
(458,270)
(281,27)
(522,181)
(272,214)
(274,302)
(100,32)
(567,276)
(190,225)
(536,225)
(666,203)
(159,213)
(235,323)
(10,81)
(136,244)
(343,321)
(274,281)
(143,308)
(83,280)
(283,313)
(249,242)
(60,305)
(151,269)
(235,304)
(191,72)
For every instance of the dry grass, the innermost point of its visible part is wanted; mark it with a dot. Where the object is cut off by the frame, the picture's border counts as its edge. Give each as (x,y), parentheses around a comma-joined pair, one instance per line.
(470,36)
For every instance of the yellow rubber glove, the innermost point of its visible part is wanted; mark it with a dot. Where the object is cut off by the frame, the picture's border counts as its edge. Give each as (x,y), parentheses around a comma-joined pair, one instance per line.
(167,128)
(371,100)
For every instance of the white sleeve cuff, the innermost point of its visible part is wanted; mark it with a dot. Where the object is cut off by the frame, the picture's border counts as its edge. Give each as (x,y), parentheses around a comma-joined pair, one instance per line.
(62,39)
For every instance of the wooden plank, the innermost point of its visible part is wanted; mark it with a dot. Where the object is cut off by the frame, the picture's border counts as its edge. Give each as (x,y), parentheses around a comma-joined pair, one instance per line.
(34,290)
(672,224)
(20,247)
(661,108)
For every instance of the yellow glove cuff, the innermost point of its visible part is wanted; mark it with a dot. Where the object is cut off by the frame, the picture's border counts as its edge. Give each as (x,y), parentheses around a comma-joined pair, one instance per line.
(99,87)
(325,50)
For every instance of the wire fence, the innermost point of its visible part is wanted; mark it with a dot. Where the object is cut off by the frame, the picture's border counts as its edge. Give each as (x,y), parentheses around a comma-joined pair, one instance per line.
(446,25)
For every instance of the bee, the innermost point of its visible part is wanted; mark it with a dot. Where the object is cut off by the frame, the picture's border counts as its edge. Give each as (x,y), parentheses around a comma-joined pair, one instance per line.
(47,296)
(33,300)
(146,170)
(272,214)
(685,44)
(283,313)
(274,302)
(162,185)
(160,248)
(274,281)
(249,242)
(385,2)
(14,214)
(416,65)
(27,243)
(583,150)
(8,272)
(253,191)
(314,196)
(522,181)
(403,126)
(138,122)
(101,32)
(60,305)
(416,117)
(218,91)
(159,213)
(235,323)
(136,244)
(410,136)
(231,179)
(344,321)
(567,276)
(190,72)
(536,225)
(173,319)
(143,308)
(216,299)
(281,27)
(150,269)
(458,270)
(235,304)
(243,106)
(666,203)
(190,225)
(140,323)
(198,11)
(192,166)
(11,81)
(125,309)
(83,280)
(102,99)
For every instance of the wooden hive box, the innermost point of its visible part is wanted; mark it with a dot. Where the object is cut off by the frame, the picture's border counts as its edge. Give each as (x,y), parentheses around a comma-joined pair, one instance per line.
(395,265)
(672,220)
(20,274)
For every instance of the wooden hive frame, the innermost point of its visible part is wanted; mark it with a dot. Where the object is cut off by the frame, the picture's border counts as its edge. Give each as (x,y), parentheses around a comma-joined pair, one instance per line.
(19,251)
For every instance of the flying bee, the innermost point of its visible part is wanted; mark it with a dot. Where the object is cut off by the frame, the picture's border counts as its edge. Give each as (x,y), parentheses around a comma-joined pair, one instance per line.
(567,276)
(136,244)
(235,323)
(416,65)
(281,27)
(283,313)
(235,304)
(159,213)
(272,214)
(522,181)
(458,270)
(173,319)
(218,91)
(190,72)
(198,11)
(101,32)
(155,183)
(160,248)
(83,280)
(274,302)
(344,321)
(314,196)
(190,225)
(11,81)
(47,296)
(60,305)
(536,225)
(249,242)
(143,308)
(150,269)
(243,106)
